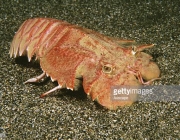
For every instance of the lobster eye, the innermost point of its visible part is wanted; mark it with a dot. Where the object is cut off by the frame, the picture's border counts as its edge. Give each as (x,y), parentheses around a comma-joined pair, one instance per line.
(107,68)
(134,50)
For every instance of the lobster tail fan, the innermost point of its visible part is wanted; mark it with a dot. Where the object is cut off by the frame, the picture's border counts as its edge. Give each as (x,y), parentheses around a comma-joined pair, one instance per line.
(29,37)
(20,43)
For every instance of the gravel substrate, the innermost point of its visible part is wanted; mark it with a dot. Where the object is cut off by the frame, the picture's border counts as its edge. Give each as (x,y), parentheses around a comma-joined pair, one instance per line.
(71,115)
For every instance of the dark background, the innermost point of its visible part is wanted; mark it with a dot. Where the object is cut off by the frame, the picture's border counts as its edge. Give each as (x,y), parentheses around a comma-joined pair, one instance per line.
(23,115)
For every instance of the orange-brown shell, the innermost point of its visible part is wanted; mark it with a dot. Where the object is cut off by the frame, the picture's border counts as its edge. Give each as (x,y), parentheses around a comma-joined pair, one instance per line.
(68,51)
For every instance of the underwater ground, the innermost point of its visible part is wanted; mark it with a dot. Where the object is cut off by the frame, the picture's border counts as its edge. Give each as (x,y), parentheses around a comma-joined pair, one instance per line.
(71,115)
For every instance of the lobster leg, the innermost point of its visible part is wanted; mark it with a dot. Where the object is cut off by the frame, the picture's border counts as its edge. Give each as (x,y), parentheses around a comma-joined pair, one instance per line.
(36,79)
(52,90)
(139,76)
(148,82)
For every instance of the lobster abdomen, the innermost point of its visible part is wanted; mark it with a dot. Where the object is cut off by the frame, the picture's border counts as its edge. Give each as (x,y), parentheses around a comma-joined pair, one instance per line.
(39,35)
(59,46)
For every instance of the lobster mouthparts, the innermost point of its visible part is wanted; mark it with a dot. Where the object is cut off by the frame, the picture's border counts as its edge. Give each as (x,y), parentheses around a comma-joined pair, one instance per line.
(67,52)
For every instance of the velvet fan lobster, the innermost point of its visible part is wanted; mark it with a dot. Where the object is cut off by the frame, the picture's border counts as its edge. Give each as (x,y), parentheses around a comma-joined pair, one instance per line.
(68,53)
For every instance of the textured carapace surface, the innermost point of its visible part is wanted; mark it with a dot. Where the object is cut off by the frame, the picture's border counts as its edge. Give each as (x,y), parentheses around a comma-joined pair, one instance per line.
(68,51)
